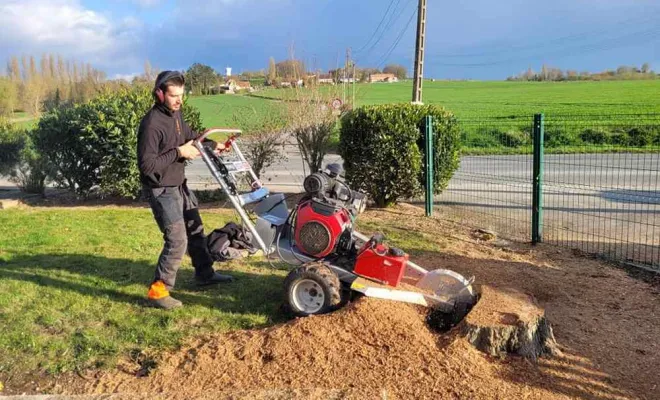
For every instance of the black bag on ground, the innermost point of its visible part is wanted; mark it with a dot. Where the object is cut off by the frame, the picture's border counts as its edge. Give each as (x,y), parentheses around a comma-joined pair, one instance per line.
(227,242)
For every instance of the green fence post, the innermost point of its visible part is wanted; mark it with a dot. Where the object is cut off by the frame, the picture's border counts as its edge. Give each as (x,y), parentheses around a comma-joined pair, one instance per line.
(428,167)
(537,181)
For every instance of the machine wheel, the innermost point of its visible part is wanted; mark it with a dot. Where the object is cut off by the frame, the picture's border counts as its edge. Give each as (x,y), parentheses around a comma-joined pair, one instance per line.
(312,289)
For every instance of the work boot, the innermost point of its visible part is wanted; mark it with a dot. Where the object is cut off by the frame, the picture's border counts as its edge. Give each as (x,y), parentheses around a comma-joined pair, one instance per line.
(159,297)
(214,279)
(166,303)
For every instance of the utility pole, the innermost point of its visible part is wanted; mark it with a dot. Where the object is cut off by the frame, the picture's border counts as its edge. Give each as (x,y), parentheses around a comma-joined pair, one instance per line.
(348,58)
(419,53)
(354,82)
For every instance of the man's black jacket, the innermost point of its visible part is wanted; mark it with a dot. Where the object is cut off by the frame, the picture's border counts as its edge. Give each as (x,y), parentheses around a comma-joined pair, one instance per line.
(161,132)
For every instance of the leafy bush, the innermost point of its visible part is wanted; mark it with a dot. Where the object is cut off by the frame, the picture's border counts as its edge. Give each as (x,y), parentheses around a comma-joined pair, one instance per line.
(311,123)
(265,137)
(481,138)
(19,160)
(95,144)
(32,171)
(512,138)
(640,136)
(619,138)
(12,141)
(555,137)
(594,136)
(383,149)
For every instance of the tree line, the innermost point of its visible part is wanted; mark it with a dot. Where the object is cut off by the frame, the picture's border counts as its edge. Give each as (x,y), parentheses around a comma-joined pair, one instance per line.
(31,86)
(555,74)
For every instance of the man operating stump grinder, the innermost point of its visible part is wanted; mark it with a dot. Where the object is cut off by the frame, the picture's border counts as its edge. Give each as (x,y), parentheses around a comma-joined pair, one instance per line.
(164,144)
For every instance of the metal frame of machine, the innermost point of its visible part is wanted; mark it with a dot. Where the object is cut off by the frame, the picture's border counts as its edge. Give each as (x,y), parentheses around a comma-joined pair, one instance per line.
(443,290)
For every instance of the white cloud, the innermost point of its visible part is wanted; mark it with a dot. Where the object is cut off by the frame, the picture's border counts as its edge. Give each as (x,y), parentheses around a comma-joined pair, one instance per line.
(65,27)
(126,77)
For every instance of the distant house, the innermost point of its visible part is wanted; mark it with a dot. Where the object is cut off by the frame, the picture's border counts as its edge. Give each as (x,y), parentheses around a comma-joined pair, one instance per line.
(232,86)
(228,87)
(326,79)
(383,78)
(347,80)
(244,85)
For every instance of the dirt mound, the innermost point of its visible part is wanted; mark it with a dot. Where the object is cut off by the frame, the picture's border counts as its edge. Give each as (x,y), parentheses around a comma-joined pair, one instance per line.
(370,349)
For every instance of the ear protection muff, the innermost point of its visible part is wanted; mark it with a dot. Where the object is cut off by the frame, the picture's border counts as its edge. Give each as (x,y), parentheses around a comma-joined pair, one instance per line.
(164,77)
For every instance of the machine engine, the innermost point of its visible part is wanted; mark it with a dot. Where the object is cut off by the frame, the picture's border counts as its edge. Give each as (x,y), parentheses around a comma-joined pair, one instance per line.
(324,217)
(324,227)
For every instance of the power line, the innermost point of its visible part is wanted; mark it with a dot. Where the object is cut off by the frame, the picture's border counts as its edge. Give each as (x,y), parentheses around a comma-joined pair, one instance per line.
(546,43)
(396,43)
(378,27)
(389,24)
(638,37)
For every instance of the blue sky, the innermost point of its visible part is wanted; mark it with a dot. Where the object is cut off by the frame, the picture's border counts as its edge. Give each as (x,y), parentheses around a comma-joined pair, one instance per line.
(479,39)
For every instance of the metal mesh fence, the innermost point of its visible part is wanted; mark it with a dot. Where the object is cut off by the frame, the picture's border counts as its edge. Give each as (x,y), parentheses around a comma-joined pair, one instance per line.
(601,191)
(600,182)
(492,187)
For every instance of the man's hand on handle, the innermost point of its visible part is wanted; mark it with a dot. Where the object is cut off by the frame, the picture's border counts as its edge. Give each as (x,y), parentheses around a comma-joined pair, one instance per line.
(188,151)
(219,148)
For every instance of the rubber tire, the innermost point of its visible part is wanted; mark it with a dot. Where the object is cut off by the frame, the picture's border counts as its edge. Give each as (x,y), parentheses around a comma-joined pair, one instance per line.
(321,274)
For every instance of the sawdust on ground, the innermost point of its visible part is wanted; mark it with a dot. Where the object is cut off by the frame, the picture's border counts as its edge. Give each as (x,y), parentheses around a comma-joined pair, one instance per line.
(606,323)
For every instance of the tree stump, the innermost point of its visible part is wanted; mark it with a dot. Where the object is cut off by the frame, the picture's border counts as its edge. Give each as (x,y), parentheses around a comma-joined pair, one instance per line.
(507,321)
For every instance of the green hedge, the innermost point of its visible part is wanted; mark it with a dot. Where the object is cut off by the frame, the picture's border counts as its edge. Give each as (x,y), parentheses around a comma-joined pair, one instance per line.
(12,141)
(94,144)
(383,149)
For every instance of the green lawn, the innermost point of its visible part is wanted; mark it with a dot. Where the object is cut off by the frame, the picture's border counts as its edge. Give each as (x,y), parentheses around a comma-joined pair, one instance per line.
(586,116)
(73,283)
(225,110)
(24,120)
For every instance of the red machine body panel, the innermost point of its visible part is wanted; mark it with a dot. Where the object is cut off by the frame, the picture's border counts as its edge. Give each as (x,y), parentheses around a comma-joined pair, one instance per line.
(378,263)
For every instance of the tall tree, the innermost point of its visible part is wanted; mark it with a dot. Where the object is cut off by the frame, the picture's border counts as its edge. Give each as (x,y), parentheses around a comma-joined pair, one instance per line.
(51,67)
(398,70)
(9,98)
(272,70)
(26,69)
(646,68)
(14,70)
(201,78)
(62,76)
(290,69)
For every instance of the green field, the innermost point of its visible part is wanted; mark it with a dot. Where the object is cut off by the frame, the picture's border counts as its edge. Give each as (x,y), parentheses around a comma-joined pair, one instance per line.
(571,108)
(222,110)
(487,99)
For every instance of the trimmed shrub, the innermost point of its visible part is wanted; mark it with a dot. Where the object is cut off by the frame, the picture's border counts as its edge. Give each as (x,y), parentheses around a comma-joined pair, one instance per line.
(95,144)
(594,136)
(12,141)
(640,136)
(512,138)
(555,137)
(383,149)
